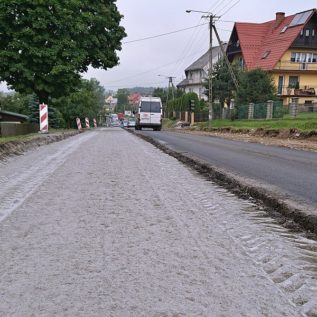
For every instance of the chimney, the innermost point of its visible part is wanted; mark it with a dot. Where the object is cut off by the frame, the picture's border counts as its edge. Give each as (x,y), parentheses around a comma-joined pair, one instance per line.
(280,16)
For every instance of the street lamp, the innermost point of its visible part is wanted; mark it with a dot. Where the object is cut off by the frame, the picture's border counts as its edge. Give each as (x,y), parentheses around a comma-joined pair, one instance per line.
(210,16)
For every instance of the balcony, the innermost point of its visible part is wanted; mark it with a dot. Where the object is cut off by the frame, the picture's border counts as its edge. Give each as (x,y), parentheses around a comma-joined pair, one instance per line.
(295,66)
(303,91)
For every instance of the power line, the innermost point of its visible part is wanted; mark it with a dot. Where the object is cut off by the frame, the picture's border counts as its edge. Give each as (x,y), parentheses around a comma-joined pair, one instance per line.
(230,8)
(191,42)
(164,34)
(150,70)
(193,39)
(197,37)
(221,2)
(186,49)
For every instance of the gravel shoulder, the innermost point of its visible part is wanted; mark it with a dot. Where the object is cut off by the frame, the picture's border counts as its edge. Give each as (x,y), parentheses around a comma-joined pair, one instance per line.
(31,142)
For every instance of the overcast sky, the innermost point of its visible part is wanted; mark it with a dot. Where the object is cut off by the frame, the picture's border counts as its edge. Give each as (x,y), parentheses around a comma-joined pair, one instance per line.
(142,62)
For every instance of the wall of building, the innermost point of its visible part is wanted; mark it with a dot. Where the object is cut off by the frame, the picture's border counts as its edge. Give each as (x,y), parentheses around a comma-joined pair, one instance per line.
(307,77)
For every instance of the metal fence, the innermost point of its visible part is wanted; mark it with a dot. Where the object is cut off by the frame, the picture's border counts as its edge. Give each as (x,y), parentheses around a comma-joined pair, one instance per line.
(261,111)
(201,116)
(268,110)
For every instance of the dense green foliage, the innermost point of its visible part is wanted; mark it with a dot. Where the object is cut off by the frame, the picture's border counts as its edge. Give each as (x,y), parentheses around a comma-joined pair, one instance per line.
(122,96)
(87,101)
(167,95)
(255,86)
(29,105)
(182,103)
(222,83)
(162,93)
(15,102)
(45,45)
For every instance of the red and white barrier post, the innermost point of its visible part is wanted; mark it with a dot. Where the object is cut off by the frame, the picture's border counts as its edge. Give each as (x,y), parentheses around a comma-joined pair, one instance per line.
(95,123)
(43,118)
(87,123)
(78,124)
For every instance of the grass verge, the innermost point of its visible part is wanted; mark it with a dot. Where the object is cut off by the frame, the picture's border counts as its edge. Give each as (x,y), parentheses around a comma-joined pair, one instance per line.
(304,122)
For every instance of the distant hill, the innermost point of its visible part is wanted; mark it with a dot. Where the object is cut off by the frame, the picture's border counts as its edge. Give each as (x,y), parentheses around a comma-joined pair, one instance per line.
(142,90)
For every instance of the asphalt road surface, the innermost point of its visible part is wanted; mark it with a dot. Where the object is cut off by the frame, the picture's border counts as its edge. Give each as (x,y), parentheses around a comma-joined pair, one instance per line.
(105,224)
(292,172)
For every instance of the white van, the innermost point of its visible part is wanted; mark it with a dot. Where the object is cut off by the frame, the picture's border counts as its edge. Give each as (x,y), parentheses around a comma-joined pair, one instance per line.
(149,113)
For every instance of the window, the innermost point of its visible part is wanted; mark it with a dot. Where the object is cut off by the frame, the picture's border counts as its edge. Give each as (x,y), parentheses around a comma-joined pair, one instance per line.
(293,81)
(307,32)
(284,29)
(150,106)
(309,57)
(241,62)
(297,57)
(293,57)
(266,54)
(313,32)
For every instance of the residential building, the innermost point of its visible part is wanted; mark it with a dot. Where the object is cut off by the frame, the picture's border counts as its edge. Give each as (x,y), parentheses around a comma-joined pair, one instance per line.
(110,103)
(7,116)
(286,47)
(197,73)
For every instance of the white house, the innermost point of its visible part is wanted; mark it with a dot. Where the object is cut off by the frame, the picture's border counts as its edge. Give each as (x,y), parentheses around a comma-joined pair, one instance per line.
(197,73)
(110,103)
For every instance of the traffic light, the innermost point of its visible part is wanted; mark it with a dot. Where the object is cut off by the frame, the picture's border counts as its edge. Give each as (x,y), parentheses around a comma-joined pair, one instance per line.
(191,105)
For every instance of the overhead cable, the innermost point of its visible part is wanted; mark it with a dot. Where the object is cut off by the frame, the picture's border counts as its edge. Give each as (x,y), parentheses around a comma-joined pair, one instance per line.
(164,34)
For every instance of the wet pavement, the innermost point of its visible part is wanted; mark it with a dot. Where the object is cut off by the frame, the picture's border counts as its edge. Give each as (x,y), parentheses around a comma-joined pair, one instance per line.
(105,224)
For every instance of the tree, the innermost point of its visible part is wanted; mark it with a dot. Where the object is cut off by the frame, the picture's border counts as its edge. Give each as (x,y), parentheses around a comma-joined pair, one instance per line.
(14,102)
(87,101)
(45,45)
(222,83)
(122,95)
(182,103)
(162,93)
(55,118)
(255,86)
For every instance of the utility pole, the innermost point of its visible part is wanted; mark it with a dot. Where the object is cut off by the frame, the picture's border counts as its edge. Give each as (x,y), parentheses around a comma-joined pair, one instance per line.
(170,85)
(210,115)
(233,76)
(211,17)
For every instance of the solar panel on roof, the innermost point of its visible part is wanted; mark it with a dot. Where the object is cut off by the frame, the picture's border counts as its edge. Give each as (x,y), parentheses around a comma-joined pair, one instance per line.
(300,18)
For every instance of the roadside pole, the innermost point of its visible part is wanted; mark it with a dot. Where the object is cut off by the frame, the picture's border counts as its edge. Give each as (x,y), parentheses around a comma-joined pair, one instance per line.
(43,118)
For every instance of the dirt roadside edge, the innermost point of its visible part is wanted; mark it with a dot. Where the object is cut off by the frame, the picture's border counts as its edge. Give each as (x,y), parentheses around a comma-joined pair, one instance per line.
(289,213)
(19,147)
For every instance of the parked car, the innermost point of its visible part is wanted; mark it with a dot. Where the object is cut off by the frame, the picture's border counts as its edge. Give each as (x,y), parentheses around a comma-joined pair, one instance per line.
(124,123)
(115,123)
(131,123)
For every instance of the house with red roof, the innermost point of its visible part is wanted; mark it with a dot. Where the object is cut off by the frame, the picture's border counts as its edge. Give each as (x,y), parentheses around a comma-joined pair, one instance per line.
(134,98)
(286,47)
